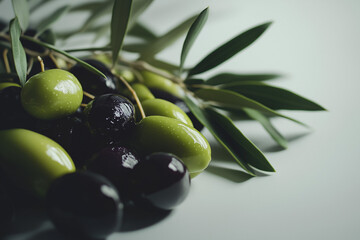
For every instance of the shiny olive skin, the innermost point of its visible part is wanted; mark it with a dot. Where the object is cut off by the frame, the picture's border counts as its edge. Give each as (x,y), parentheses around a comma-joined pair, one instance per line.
(180,103)
(163,134)
(142,92)
(92,82)
(84,204)
(154,81)
(165,108)
(52,94)
(116,163)
(12,114)
(32,160)
(161,181)
(110,117)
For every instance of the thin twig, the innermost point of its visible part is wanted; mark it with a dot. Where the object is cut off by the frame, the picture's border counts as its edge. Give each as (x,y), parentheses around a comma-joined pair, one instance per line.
(41,63)
(6,60)
(51,55)
(133,93)
(88,95)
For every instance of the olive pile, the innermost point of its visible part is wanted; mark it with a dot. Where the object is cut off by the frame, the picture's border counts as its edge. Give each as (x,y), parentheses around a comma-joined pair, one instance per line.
(90,158)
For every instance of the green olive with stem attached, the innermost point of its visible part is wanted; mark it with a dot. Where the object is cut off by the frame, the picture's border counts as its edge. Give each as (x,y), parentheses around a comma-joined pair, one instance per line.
(52,94)
(32,160)
(164,134)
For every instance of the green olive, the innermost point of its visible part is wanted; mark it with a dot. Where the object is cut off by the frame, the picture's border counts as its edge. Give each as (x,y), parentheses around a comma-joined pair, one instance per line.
(141,90)
(32,160)
(51,94)
(152,80)
(8,84)
(165,108)
(163,134)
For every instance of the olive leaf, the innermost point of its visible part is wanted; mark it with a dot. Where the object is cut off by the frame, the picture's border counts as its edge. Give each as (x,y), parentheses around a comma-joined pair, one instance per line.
(51,47)
(224,78)
(52,18)
(18,51)
(218,133)
(167,39)
(229,49)
(119,22)
(21,10)
(139,30)
(229,99)
(273,97)
(238,142)
(265,122)
(95,14)
(89,6)
(192,34)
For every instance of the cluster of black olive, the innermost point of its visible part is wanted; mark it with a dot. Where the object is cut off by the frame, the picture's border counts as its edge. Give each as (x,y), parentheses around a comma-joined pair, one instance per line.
(119,161)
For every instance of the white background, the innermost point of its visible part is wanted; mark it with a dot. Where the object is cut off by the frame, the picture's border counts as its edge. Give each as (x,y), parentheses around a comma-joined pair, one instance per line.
(315,193)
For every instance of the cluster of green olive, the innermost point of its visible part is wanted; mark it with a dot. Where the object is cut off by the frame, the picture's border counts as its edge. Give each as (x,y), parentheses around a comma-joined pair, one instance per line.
(88,156)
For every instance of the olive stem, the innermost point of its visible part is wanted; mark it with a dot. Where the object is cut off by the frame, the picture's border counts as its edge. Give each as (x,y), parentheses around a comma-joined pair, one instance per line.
(88,95)
(133,93)
(83,105)
(28,51)
(54,60)
(41,63)
(6,60)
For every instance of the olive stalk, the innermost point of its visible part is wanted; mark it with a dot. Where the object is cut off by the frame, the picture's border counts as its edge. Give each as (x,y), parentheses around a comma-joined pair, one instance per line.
(88,95)
(42,65)
(6,60)
(133,93)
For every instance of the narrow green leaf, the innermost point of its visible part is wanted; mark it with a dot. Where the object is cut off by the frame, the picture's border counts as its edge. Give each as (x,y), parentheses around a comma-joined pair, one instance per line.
(119,23)
(265,122)
(273,97)
(18,51)
(52,18)
(233,100)
(139,6)
(193,81)
(192,34)
(21,10)
(49,46)
(4,44)
(224,78)
(89,6)
(135,47)
(229,49)
(103,9)
(218,133)
(238,141)
(139,30)
(167,39)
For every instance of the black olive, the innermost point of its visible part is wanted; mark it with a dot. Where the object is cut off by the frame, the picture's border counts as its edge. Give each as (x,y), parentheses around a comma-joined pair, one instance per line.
(162,181)
(84,204)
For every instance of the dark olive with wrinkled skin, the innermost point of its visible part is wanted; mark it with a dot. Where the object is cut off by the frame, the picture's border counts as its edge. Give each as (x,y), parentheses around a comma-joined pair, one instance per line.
(117,164)
(94,83)
(110,117)
(162,181)
(84,204)
(180,103)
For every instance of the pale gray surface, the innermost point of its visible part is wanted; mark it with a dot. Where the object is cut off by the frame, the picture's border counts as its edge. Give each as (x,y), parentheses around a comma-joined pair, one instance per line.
(315,192)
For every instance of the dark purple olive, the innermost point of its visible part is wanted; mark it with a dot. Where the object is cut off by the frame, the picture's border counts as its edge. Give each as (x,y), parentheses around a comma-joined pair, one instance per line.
(117,164)
(94,83)
(72,134)
(12,114)
(180,103)
(162,181)
(84,204)
(7,212)
(110,117)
